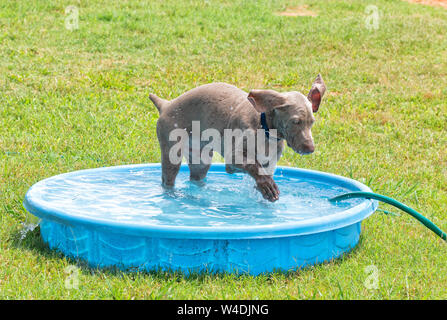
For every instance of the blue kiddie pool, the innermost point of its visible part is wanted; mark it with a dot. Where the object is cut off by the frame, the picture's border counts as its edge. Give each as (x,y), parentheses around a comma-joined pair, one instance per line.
(122,217)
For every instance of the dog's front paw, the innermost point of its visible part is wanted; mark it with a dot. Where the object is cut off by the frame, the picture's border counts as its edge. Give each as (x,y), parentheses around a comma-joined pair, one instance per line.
(268,188)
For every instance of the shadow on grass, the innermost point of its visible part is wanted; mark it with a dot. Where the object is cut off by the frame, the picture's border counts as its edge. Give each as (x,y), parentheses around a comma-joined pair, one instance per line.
(34,243)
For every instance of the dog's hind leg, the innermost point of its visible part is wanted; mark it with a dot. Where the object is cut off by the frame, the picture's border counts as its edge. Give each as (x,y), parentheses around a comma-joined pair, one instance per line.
(198,171)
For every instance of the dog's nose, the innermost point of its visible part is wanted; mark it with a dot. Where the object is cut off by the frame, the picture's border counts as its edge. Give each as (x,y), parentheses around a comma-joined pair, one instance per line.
(309,148)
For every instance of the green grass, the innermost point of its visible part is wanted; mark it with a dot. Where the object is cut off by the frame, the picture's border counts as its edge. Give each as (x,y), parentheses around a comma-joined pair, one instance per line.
(79,99)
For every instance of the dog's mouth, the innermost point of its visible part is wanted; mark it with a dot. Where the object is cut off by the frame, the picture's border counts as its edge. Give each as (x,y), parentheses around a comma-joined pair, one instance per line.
(303,148)
(302,152)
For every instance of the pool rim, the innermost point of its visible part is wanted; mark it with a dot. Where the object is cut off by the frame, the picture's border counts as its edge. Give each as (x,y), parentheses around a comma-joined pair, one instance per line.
(303,227)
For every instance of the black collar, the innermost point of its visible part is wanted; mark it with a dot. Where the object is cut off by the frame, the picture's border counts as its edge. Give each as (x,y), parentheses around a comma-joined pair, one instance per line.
(266,128)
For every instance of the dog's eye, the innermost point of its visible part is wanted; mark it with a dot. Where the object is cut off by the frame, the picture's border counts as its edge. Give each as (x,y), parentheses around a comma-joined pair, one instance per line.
(296,121)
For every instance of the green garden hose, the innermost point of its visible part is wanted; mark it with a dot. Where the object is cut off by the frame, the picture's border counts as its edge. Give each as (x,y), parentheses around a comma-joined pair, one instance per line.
(370,195)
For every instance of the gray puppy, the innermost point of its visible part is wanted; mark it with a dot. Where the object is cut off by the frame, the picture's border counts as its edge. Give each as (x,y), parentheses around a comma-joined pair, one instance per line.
(222,106)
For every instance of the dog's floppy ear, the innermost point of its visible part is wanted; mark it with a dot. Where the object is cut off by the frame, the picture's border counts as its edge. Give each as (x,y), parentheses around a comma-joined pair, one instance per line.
(316,93)
(265,100)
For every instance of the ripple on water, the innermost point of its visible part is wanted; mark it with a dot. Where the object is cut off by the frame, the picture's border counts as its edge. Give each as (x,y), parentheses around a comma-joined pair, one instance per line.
(222,200)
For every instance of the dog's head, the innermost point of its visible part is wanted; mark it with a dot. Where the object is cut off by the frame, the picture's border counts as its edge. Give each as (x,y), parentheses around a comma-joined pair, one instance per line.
(292,113)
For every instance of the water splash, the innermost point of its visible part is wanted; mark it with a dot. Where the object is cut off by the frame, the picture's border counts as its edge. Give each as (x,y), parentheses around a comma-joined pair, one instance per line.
(30,223)
(26,228)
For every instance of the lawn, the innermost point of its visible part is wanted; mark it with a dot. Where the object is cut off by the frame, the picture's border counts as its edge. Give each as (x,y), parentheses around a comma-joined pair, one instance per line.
(74,98)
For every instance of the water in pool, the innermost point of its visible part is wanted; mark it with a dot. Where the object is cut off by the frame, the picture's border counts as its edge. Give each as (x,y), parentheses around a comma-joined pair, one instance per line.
(135,195)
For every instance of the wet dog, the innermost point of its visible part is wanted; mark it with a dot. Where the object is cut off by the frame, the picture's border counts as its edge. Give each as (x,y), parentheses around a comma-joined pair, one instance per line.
(219,106)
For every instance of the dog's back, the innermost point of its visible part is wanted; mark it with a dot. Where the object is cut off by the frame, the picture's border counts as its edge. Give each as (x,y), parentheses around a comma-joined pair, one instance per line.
(212,104)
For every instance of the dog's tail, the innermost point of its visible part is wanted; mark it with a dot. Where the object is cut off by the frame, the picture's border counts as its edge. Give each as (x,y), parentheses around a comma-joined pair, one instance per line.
(158,102)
